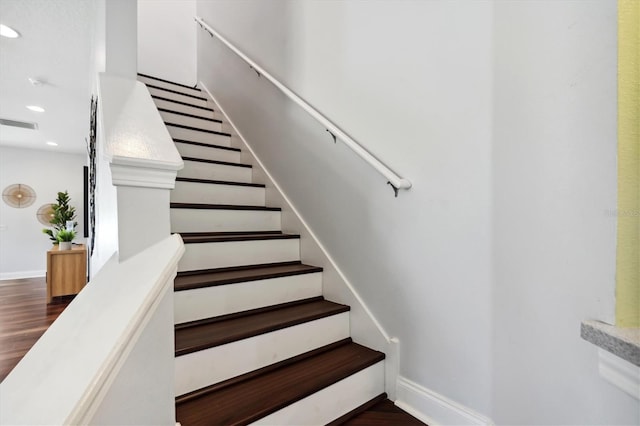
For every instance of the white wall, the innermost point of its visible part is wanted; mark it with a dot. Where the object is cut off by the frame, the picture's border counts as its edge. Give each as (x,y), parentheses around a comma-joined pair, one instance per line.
(555,176)
(23,246)
(420,261)
(167,39)
(502,114)
(121,37)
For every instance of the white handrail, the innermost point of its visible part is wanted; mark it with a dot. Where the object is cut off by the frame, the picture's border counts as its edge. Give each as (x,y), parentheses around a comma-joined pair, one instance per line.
(393,179)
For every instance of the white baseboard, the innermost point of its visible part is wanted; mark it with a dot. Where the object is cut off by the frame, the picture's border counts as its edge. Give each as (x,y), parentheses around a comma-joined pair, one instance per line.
(619,372)
(433,408)
(21,274)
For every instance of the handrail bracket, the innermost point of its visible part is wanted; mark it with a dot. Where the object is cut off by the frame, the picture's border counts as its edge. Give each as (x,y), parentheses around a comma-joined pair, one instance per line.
(395,188)
(334,136)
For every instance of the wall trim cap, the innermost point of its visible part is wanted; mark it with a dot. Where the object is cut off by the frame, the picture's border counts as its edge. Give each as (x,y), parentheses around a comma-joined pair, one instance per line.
(433,408)
(127,173)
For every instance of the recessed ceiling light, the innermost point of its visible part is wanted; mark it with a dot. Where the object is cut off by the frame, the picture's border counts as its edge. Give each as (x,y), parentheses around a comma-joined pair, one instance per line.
(8,32)
(51,143)
(35,108)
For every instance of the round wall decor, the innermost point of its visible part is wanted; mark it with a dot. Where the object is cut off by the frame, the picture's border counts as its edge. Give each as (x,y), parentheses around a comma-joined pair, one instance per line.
(19,195)
(45,214)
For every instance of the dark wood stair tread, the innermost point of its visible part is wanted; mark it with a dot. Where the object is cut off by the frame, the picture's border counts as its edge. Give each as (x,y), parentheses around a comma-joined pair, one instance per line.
(250,400)
(207,145)
(225,276)
(219,182)
(197,129)
(184,114)
(358,410)
(222,163)
(162,98)
(238,326)
(177,92)
(168,81)
(213,237)
(383,413)
(203,206)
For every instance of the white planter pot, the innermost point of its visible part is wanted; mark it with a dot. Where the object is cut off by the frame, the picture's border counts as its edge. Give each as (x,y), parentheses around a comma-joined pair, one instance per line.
(64,245)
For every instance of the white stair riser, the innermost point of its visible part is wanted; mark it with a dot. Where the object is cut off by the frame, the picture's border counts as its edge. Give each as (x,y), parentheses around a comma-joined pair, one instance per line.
(184,108)
(208,153)
(217,220)
(333,401)
(200,303)
(211,193)
(170,86)
(212,171)
(199,369)
(238,253)
(197,136)
(177,96)
(185,120)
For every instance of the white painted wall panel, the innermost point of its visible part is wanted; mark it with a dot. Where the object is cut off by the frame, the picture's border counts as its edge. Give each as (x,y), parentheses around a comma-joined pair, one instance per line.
(167,39)
(194,192)
(501,114)
(217,220)
(555,177)
(191,305)
(213,171)
(237,253)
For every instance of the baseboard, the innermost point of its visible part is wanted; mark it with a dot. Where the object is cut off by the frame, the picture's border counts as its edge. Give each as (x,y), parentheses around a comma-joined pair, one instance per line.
(433,408)
(21,274)
(619,373)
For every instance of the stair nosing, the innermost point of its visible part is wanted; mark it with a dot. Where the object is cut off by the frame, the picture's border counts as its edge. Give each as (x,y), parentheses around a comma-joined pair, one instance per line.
(240,279)
(207,145)
(184,114)
(228,233)
(162,98)
(339,309)
(219,182)
(237,268)
(197,129)
(222,163)
(176,92)
(167,81)
(358,410)
(255,373)
(241,237)
(203,206)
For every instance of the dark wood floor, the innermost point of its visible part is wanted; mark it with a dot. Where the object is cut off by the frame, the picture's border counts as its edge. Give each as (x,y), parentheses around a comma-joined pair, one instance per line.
(384,413)
(24,317)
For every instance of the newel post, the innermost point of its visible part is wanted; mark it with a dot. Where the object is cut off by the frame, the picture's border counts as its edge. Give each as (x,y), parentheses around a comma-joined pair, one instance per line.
(143,162)
(143,191)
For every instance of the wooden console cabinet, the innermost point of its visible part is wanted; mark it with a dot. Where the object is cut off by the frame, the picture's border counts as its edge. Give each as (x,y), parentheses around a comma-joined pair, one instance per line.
(66,271)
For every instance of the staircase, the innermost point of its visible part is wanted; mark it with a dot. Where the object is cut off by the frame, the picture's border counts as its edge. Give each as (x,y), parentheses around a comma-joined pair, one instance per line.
(255,341)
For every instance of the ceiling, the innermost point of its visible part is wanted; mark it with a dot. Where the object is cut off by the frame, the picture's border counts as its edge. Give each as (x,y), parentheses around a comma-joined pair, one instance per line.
(55,48)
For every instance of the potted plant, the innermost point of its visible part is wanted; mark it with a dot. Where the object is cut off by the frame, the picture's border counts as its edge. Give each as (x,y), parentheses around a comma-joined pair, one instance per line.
(65,237)
(63,218)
